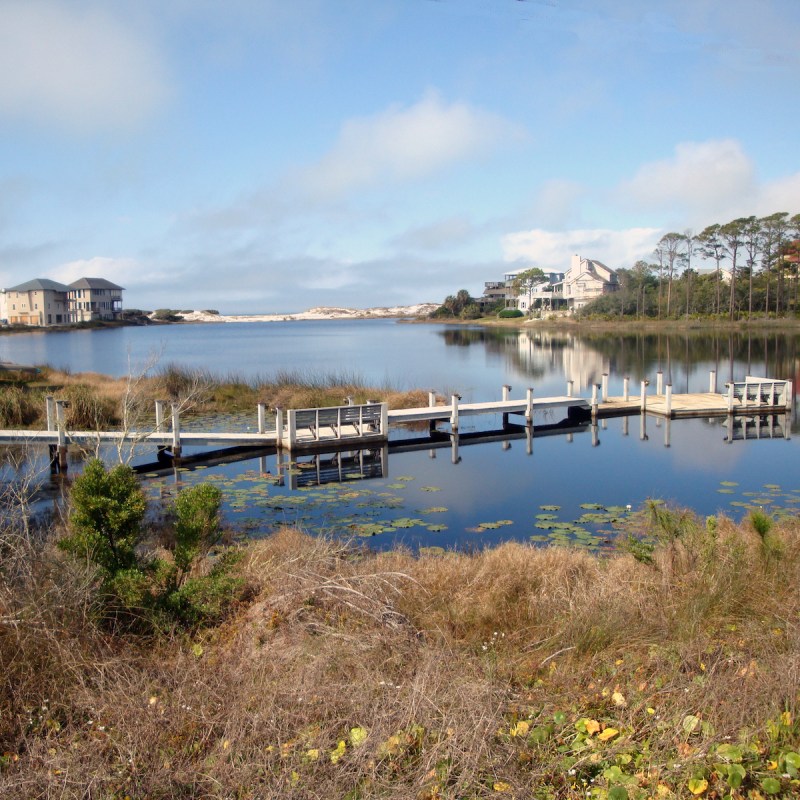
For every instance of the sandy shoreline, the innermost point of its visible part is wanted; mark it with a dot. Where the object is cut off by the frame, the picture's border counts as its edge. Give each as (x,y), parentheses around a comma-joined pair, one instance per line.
(323,312)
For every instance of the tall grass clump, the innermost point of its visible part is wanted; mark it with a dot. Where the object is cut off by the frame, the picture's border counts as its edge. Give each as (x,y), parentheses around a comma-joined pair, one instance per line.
(19,407)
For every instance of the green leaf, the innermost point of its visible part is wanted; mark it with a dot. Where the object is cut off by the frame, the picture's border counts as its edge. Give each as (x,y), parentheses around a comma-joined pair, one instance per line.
(617,793)
(771,785)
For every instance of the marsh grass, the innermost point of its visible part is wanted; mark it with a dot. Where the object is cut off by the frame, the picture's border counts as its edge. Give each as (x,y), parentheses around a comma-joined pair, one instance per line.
(98,401)
(356,674)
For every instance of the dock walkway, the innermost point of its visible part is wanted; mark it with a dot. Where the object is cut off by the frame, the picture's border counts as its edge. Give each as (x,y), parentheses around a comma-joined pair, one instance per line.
(364,424)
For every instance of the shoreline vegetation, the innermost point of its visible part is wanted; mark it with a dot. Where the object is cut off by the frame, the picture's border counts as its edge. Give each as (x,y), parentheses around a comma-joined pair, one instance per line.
(99,401)
(318,669)
(156,655)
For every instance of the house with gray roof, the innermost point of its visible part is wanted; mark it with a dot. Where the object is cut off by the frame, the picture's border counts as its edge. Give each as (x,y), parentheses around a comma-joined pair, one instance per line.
(94,298)
(39,302)
(43,302)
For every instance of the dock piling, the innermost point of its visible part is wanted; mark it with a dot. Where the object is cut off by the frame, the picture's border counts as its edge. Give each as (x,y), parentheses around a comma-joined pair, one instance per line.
(604,394)
(262,417)
(712,381)
(626,386)
(454,413)
(176,431)
(659,383)
(643,397)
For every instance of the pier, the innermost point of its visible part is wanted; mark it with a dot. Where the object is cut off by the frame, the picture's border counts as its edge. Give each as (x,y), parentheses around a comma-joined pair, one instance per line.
(367,424)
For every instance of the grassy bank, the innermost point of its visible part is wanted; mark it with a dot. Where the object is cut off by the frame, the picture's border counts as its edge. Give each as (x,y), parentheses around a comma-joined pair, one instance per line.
(338,673)
(98,401)
(609,325)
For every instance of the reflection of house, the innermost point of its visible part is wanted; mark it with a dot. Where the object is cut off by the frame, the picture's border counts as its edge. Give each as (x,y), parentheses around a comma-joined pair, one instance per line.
(94,298)
(586,280)
(42,302)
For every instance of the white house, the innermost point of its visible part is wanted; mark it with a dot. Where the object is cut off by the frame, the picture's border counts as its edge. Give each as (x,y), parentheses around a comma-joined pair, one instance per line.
(586,280)
(541,295)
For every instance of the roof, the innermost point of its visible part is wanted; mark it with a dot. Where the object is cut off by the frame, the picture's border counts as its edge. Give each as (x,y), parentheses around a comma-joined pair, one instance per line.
(39,285)
(94,283)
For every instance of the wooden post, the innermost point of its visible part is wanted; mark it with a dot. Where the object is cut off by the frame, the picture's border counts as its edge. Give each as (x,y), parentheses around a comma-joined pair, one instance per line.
(50,403)
(291,434)
(262,417)
(431,399)
(570,388)
(789,391)
(529,408)
(506,392)
(385,420)
(605,387)
(659,382)
(454,413)
(278,427)
(643,398)
(176,431)
(61,424)
(626,381)
(668,403)
(159,416)
(730,398)
(594,400)
(712,382)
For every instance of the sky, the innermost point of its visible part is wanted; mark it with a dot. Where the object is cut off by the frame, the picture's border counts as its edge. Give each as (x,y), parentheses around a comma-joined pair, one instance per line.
(268,156)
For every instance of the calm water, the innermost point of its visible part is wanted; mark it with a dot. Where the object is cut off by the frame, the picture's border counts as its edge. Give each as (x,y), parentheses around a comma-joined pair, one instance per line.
(494,490)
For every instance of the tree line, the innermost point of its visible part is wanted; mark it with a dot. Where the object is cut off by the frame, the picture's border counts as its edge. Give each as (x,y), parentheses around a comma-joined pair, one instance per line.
(755,272)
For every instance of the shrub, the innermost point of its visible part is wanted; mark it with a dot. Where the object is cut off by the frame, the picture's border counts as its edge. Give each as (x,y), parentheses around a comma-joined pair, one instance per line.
(196,523)
(108,509)
(510,313)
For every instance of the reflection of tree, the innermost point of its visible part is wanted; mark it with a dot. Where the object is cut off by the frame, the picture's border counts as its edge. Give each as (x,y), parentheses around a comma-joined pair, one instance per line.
(583,357)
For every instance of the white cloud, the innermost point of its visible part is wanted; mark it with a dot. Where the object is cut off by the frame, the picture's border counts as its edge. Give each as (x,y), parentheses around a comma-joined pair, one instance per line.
(553,250)
(128,272)
(701,181)
(402,144)
(75,66)
(782,194)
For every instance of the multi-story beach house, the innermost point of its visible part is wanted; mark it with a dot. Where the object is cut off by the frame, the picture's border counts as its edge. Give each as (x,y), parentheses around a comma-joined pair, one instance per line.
(42,302)
(585,280)
(94,298)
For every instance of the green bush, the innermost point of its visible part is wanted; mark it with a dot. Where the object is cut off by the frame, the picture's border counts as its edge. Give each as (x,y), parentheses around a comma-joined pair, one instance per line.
(108,508)
(196,524)
(107,513)
(510,313)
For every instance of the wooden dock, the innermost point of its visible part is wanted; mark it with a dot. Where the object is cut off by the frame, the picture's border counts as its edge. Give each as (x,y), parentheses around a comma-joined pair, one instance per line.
(317,429)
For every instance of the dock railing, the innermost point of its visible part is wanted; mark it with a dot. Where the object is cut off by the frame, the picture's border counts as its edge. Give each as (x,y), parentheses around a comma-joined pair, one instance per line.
(334,423)
(760,392)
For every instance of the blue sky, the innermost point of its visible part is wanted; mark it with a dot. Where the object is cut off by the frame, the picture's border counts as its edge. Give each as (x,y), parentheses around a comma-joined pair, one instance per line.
(273,155)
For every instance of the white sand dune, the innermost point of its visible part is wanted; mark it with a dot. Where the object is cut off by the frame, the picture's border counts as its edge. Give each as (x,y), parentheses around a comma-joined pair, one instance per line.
(322,312)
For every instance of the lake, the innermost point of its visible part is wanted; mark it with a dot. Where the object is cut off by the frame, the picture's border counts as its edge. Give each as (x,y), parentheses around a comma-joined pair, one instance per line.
(563,487)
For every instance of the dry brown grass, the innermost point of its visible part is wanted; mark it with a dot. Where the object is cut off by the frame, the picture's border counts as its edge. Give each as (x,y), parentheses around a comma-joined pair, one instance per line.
(435,658)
